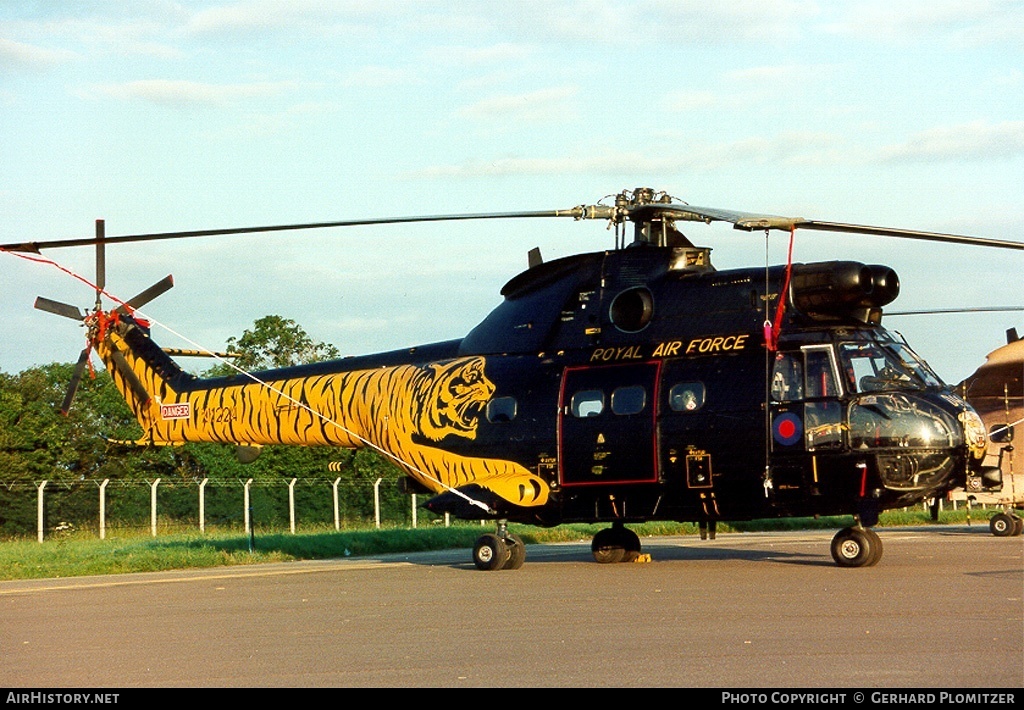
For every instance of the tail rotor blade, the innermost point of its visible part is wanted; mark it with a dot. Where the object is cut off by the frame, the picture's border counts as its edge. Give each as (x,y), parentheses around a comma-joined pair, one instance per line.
(76,378)
(101,261)
(163,285)
(61,309)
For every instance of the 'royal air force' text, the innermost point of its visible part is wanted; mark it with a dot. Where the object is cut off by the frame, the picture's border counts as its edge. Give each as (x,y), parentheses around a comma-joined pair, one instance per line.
(711,345)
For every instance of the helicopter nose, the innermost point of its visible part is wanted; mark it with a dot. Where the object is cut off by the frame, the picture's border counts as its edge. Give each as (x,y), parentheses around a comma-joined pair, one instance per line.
(915,440)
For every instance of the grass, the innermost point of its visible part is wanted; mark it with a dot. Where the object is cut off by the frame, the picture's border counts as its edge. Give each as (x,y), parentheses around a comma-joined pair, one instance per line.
(75,554)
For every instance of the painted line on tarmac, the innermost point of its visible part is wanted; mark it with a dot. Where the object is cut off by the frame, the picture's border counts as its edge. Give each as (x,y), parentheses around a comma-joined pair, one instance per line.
(199,576)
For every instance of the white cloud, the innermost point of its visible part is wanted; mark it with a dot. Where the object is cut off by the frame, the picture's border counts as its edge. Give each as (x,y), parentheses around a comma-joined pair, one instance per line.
(543,105)
(358,17)
(173,92)
(792,148)
(953,22)
(376,76)
(500,53)
(743,88)
(775,75)
(661,21)
(18,55)
(978,140)
(694,99)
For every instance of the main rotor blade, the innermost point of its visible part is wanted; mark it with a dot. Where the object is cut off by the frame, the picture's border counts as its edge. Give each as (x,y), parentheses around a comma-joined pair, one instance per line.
(910,234)
(750,221)
(61,309)
(101,262)
(76,378)
(939,311)
(35,247)
(162,286)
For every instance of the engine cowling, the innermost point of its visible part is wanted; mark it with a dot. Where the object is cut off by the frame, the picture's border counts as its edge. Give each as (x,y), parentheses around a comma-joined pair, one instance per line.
(843,288)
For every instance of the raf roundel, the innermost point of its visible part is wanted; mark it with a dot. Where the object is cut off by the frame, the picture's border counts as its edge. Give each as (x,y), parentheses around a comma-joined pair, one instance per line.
(787,429)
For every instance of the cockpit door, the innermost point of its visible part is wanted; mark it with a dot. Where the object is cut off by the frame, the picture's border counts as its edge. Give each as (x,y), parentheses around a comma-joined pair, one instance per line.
(806,417)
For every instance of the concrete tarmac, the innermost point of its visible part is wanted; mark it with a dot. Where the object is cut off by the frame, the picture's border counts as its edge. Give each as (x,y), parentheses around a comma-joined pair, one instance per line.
(943,609)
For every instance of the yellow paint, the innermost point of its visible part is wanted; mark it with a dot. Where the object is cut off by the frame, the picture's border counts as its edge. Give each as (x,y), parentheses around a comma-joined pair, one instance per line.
(716,344)
(630,352)
(394,409)
(669,349)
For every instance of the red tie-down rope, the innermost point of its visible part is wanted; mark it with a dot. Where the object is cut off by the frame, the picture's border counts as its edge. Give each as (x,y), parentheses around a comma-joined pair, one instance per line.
(103,320)
(771,331)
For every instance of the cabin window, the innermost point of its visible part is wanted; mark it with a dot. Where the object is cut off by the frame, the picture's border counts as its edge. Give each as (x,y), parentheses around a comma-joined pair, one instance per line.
(501,409)
(587,403)
(686,396)
(629,400)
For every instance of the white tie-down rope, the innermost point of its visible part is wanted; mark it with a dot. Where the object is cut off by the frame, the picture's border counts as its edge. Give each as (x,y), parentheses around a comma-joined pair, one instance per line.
(315,413)
(375,447)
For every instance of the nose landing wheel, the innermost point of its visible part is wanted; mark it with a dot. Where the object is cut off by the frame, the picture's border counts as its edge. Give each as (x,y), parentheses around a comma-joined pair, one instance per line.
(856,547)
(1006,525)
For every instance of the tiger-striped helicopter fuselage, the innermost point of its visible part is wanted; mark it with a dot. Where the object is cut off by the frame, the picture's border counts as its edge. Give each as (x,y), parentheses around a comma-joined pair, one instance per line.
(619,386)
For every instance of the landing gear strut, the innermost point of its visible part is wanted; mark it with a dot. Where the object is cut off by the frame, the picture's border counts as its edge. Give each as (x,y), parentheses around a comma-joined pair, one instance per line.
(707,528)
(499,550)
(615,544)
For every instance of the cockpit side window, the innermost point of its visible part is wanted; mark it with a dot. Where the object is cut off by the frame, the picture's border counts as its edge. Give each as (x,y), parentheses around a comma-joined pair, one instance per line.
(788,377)
(821,379)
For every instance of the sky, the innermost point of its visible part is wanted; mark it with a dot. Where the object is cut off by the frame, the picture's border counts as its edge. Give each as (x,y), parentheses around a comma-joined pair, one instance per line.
(162,116)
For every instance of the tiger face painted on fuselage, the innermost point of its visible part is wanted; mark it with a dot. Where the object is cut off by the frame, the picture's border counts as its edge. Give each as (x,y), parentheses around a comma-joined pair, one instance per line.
(455,395)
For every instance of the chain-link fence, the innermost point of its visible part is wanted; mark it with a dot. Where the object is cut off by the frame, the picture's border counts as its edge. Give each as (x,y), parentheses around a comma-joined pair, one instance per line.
(162,506)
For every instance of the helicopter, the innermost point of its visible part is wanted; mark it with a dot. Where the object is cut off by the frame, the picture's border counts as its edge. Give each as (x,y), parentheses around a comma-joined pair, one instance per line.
(996,391)
(624,385)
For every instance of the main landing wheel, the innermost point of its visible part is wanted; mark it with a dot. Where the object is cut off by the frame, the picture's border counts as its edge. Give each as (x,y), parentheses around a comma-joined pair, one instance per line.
(489,552)
(856,547)
(494,551)
(615,544)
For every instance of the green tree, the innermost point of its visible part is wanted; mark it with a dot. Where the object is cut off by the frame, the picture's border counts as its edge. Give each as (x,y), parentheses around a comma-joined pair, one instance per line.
(274,342)
(70,452)
(95,441)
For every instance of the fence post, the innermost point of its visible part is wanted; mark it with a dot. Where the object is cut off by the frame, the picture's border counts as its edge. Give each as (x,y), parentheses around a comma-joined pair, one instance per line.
(202,504)
(291,503)
(414,510)
(40,518)
(337,519)
(152,505)
(376,502)
(103,509)
(245,502)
